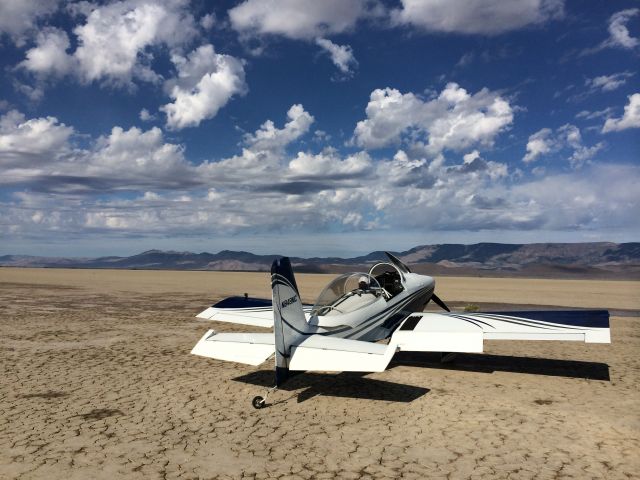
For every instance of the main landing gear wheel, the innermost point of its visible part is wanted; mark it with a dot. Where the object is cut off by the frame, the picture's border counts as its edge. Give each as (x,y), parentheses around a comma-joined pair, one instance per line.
(258,402)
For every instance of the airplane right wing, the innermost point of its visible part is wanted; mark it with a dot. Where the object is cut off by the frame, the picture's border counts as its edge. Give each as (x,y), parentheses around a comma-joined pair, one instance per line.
(466,332)
(244,310)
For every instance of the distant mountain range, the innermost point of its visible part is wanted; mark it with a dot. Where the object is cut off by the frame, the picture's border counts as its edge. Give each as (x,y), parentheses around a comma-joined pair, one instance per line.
(602,259)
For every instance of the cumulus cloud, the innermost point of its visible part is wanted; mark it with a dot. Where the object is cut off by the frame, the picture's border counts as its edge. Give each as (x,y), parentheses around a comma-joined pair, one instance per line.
(630,119)
(329,166)
(489,17)
(205,82)
(115,43)
(268,137)
(30,143)
(455,120)
(146,116)
(136,157)
(341,55)
(112,43)
(18,18)
(540,143)
(40,152)
(265,187)
(297,19)
(568,137)
(50,53)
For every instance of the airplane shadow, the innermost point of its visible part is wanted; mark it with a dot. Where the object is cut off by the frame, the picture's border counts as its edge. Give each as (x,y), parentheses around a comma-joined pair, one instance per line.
(483,363)
(345,384)
(357,385)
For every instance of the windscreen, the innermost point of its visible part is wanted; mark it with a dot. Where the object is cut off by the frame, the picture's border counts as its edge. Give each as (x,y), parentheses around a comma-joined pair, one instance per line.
(347,293)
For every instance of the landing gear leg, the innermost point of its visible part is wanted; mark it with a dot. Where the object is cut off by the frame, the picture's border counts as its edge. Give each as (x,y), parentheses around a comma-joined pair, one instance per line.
(261,402)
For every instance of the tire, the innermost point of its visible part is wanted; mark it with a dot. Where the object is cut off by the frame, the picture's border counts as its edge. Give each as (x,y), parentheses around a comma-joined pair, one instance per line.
(258,402)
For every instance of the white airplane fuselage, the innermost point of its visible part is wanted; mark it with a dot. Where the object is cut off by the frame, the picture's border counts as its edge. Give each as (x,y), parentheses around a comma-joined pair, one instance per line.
(378,319)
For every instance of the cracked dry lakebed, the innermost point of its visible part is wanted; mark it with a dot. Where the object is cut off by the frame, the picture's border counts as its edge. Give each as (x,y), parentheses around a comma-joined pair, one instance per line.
(97,382)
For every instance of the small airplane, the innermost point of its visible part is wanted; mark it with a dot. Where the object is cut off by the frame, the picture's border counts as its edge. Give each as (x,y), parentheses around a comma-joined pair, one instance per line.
(356,311)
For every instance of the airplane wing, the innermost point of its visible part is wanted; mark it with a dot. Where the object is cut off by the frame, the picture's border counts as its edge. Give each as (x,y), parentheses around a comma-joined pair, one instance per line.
(466,332)
(244,310)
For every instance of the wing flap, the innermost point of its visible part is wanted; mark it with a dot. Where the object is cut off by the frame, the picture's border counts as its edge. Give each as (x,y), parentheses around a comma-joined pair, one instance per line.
(330,354)
(437,333)
(249,348)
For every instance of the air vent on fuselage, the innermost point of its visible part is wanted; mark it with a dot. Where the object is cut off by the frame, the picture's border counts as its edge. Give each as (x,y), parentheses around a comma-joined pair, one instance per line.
(411,322)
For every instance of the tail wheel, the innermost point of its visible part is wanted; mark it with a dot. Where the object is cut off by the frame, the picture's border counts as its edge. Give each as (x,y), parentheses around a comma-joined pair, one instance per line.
(258,402)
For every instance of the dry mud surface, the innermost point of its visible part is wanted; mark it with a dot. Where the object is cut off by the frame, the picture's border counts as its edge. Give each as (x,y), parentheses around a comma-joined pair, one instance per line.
(97,382)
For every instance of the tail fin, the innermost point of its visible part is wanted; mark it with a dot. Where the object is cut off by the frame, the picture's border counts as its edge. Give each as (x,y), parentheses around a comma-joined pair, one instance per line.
(289,321)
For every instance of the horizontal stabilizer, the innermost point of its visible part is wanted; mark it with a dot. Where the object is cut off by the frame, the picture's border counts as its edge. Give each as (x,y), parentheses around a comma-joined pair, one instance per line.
(330,354)
(257,312)
(249,348)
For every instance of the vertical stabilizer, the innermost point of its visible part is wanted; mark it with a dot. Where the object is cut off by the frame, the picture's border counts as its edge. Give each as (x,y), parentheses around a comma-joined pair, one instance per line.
(289,322)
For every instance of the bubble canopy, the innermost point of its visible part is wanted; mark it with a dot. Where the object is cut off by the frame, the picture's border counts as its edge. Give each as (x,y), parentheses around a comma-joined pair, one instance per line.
(347,293)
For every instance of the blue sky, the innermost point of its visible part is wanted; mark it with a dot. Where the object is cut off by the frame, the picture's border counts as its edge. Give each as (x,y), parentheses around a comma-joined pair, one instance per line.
(316,127)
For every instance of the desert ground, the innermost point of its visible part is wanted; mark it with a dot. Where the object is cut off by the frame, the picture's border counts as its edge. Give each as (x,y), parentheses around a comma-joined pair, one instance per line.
(97,382)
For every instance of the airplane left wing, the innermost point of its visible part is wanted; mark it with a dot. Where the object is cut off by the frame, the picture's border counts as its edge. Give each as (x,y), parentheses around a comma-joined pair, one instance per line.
(466,332)
(243,310)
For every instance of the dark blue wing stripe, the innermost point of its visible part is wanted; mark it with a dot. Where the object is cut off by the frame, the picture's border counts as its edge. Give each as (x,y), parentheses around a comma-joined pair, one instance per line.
(470,320)
(575,318)
(242,302)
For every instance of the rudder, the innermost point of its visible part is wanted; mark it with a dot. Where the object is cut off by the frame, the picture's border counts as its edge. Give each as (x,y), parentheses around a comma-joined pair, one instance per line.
(290,324)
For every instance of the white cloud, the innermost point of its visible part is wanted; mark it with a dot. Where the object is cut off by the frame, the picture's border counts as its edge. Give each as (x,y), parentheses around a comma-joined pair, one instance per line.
(146,116)
(630,119)
(455,120)
(329,165)
(40,152)
(268,137)
(608,83)
(29,143)
(297,19)
(568,137)
(266,188)
(619,33)
(50,53)
(208,21)
(18,18)
(112,43)
(205,82)
(619,36)
(341,55)
(540,143)
(587,115)
(115,44)
(138,157)
(488,17)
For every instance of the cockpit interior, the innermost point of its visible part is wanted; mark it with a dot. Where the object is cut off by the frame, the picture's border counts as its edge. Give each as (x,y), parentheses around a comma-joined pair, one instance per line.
(353,291)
